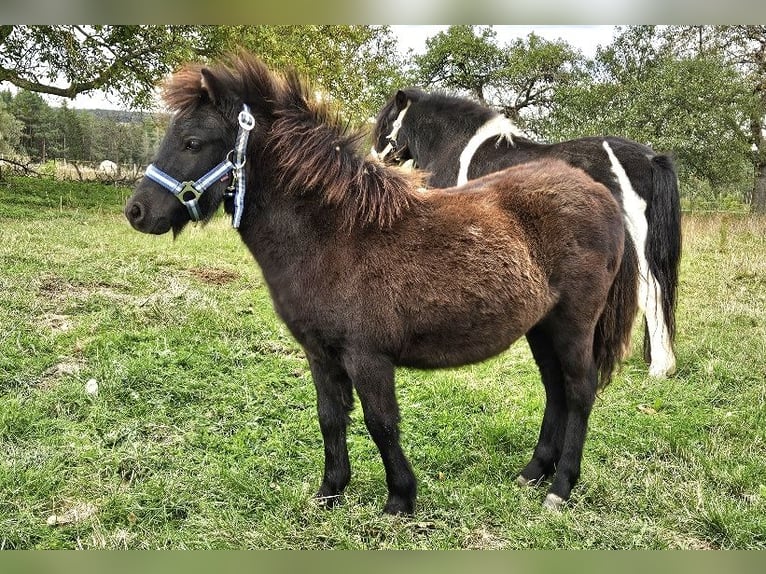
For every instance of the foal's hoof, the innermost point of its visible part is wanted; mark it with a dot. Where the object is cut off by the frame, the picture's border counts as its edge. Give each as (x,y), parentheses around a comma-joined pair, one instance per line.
(554,502)
(327,501)
(524,481)
(399,506)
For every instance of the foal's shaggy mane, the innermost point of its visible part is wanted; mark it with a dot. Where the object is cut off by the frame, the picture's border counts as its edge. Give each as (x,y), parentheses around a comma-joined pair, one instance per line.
(308,146)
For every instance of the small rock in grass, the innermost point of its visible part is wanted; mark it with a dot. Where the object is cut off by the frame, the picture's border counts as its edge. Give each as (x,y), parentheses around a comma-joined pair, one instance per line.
(91,387)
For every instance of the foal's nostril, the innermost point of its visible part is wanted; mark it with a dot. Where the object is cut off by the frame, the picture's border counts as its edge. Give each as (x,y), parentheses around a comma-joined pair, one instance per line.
(135,212)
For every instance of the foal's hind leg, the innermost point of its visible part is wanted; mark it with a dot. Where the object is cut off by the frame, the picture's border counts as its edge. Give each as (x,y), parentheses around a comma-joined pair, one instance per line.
(550,442)
(334,401)
(373,378)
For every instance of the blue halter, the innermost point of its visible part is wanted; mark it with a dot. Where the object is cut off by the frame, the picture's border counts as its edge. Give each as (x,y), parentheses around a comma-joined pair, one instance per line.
(189,192)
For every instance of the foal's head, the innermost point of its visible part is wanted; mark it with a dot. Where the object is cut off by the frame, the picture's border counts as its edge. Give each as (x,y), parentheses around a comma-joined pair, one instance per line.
(188,179)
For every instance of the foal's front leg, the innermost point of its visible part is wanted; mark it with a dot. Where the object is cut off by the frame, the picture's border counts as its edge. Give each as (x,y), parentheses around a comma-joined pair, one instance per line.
(551,440)
(334,401)
(373,378)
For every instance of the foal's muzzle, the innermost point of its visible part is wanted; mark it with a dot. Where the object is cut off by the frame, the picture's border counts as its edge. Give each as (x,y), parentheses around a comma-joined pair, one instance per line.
(145,220)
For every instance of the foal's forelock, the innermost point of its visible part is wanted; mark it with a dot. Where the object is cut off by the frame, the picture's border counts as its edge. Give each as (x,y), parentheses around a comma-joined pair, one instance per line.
(184,88)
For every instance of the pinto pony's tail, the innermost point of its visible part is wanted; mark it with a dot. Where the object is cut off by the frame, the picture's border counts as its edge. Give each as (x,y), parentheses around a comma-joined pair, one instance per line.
(663,243)
(614,327)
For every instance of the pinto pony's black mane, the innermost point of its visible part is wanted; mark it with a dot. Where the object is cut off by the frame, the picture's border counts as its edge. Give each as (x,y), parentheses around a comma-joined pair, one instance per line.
(312,148)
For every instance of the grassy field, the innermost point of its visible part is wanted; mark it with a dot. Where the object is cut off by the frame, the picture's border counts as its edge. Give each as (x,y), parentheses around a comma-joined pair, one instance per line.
(203,433)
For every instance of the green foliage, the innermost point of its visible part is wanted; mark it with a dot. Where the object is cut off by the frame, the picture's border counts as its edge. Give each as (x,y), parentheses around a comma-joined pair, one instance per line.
(123,60)
(45,132)
(519,79)
(356,66)
(534,71)
(10,130)
(37,118)
(129,60)
(463,58)
(694,108)
(203,432)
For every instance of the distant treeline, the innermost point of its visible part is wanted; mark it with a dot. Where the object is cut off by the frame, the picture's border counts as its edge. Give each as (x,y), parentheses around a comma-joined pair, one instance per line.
(33,130)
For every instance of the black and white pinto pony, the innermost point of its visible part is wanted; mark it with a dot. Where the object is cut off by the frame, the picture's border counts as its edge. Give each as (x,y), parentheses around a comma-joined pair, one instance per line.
(455,139)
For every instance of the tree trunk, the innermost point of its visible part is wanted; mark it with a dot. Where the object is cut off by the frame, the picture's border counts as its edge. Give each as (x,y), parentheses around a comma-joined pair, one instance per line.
(757,127)
(758,204)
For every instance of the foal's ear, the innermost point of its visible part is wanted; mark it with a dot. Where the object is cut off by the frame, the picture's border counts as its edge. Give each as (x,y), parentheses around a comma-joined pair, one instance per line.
(401,100)
(210,84)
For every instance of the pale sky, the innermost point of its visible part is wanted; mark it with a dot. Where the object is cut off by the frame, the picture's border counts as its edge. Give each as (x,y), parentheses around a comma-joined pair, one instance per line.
(585,38)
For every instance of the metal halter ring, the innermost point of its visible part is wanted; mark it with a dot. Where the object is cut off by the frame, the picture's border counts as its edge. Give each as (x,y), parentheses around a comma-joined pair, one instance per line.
(246,120)
(235,164)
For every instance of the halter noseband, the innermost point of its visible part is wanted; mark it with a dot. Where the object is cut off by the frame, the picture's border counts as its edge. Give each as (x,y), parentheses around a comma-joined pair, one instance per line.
(189,192)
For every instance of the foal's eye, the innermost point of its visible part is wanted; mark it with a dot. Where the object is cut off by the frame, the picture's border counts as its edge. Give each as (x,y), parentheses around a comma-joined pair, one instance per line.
(193,144)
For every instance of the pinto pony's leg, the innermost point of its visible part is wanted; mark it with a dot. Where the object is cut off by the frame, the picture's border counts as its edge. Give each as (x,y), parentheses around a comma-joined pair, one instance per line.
(373,379)
(661,357)
(334,401)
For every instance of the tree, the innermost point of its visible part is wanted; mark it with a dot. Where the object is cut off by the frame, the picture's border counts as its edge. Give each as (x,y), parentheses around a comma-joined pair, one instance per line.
(38,134)
(732,61)
(743,47)
(10,130)
(463,58)
(356,66)
(124,60)
(695,105)
(518,78)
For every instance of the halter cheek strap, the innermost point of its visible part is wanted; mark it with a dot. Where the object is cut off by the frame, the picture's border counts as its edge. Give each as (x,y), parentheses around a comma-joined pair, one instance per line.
(189,192)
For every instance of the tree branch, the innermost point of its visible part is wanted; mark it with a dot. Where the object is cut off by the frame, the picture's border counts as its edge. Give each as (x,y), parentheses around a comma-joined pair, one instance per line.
(5,31)
(17,164)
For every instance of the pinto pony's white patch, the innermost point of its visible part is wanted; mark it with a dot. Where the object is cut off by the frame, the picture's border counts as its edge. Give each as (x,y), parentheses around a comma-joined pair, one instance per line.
(391,137)
(663,362)
(500,127)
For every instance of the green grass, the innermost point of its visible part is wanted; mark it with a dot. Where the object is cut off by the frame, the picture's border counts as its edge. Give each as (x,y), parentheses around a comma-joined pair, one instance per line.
(203,433)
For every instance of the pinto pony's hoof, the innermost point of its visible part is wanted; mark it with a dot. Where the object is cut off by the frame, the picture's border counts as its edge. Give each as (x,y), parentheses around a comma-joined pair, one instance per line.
(662,370)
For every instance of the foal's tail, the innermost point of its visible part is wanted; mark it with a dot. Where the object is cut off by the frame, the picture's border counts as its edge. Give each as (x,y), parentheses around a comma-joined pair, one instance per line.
(663,244)
(614,326)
